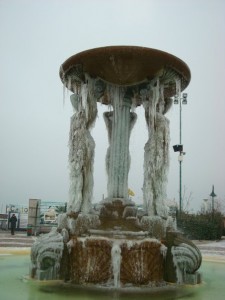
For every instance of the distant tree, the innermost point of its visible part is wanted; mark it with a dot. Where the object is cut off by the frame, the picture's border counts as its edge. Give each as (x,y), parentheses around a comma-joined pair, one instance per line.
(186,199)
(219,205)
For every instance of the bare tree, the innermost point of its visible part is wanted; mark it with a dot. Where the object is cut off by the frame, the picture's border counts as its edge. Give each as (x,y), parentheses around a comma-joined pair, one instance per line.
(186,198)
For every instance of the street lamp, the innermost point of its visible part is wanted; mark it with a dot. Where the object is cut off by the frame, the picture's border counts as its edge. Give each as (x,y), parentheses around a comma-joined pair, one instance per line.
(179,148)
(213,195)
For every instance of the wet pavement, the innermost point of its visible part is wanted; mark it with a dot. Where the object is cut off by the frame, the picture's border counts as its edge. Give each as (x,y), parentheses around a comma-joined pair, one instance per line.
(20,239)
(212,250)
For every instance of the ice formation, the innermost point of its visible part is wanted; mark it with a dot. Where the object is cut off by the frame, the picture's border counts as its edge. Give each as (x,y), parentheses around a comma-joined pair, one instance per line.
(163,250)
(116,262)
(156,156)
(186,260)
(119,124)
(155,226)
(81,153)
(183,259)
(46,254)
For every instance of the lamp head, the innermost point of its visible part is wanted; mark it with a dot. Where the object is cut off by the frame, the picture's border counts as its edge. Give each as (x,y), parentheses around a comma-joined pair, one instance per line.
(176,101)
(184,99)
(178,148)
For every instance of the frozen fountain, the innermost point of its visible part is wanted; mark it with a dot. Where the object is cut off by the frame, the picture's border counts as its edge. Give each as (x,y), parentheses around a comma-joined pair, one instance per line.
(117,245)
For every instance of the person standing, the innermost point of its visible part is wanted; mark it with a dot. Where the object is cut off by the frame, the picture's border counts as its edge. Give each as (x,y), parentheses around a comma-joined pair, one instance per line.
(13,221)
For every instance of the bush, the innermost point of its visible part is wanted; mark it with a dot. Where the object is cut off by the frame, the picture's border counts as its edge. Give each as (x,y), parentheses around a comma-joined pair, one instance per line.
(201,226)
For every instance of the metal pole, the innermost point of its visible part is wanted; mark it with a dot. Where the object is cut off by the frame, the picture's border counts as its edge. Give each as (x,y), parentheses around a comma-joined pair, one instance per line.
(213,205)
(181,159)
(180,186)
(180,123)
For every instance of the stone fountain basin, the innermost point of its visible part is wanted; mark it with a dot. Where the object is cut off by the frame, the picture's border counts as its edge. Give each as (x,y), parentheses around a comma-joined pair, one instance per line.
(126,65)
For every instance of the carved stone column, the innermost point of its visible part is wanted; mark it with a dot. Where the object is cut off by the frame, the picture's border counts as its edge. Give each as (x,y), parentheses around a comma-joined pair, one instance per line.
(119,124)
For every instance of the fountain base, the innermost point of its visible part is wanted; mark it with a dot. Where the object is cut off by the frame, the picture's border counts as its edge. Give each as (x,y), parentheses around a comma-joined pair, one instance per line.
(103,260)
(85,252)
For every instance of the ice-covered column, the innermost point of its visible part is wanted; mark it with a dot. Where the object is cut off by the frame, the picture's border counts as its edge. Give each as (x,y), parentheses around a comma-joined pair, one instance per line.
(81,151)
(119,124)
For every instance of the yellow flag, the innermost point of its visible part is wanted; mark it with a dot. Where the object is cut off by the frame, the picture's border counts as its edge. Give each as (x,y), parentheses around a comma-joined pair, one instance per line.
(130,192)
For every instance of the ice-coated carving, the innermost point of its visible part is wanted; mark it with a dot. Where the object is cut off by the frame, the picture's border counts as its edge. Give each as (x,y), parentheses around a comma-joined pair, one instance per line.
(81,154)
(46,254)
(183,259)
(119,124)
(156,156)
(187,259)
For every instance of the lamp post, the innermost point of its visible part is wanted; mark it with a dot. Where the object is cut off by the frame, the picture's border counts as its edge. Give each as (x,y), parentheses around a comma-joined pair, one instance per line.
(213,195)
(180,100)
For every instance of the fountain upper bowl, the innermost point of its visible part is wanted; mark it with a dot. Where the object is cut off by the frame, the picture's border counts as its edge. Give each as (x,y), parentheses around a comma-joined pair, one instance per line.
(126,65)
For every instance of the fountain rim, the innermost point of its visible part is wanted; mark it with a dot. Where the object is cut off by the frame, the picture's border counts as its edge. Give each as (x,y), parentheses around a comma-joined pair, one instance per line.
(137,290)
(125,65)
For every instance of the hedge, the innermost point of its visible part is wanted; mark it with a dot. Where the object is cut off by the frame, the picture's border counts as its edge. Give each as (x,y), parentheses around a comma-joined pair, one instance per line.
(201,226)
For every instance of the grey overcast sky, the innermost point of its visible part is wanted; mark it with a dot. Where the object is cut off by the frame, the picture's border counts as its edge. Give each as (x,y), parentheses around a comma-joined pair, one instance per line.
(36,36)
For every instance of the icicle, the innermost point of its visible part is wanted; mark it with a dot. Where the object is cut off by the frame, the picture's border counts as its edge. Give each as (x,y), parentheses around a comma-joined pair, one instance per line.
(150,102)
(64,94)
(155,88)
(179,272)
(69,80)
(64,87)
(110,108)
(91,103)
(116,262)
(163,251)
(162,92)
(144,94)
(134,104)
(75,88)
(84,95)
(109,93)
(178,87)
